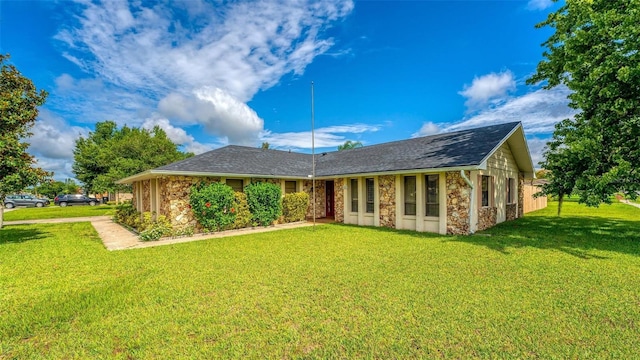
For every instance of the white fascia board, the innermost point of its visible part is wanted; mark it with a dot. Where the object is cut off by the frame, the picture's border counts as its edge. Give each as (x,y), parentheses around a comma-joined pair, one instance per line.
(149,174)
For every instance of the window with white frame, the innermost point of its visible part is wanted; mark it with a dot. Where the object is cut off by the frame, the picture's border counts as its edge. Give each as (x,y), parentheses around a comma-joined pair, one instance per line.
(354,195)
(409,195)
(432,195)
(370,194)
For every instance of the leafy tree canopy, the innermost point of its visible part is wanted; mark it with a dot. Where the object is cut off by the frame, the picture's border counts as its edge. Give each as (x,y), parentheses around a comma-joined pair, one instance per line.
(595,53)
(109,154)
(51,188)
(19,101)
(349,145)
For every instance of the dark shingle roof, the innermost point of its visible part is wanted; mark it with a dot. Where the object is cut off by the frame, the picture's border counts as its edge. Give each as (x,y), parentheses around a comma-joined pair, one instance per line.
(456,149)
(460,148)
(235,159)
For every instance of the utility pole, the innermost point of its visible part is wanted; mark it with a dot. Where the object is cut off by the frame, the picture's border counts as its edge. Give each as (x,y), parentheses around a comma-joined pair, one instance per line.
(313,159)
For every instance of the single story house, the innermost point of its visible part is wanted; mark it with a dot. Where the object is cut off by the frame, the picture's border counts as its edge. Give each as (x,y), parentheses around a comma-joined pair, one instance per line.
(450,183)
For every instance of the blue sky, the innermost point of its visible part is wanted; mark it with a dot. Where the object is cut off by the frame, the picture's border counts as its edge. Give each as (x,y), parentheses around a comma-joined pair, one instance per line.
(238,72)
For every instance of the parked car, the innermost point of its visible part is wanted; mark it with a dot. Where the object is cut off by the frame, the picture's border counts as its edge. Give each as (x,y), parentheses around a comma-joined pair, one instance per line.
(12,201)
(75,199)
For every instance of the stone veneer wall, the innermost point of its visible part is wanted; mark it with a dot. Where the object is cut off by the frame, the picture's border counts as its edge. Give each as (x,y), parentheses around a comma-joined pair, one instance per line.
(174,195)
(134,192)
(320,200)
(387,196)
(512,211)
(458,203)
(520,195)
(146,195)
(338,200)
(487,217)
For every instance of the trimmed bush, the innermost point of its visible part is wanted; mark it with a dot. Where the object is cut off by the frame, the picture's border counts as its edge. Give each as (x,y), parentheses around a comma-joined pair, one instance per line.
(213,205)
(294,206)
(243,215)
(186,231)
(151,230)
(264,202)
(127,215)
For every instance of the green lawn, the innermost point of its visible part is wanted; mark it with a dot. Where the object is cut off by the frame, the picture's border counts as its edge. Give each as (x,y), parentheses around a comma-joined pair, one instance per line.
(540,287)
(56,212)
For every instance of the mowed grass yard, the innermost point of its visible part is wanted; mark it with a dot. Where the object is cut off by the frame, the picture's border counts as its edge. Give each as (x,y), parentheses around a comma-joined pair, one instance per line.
(57,212)
(539,287)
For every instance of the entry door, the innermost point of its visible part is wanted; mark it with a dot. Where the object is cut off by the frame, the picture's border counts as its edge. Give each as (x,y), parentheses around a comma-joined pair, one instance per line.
(329,199)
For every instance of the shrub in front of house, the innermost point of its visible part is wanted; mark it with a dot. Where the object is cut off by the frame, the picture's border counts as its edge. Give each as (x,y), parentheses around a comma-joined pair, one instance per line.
(294,206)
(151,229)
(127,215)
(147,227)
(264,201)
(213,205)
(243,215)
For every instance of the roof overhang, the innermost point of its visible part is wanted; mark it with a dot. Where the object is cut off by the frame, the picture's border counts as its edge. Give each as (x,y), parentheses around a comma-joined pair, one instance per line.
(519,149)
(153,174)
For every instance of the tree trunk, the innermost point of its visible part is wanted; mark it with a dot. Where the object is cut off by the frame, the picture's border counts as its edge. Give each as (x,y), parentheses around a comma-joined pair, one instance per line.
(560,198)
(1,214)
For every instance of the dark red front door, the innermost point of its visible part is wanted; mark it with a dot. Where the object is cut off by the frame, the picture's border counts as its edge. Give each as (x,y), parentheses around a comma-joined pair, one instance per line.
(329,199)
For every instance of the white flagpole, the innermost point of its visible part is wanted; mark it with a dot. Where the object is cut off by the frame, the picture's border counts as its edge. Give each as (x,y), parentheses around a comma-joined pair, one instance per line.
(313,159)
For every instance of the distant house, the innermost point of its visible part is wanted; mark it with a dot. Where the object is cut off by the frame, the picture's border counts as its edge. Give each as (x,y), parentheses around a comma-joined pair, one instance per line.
(452,183)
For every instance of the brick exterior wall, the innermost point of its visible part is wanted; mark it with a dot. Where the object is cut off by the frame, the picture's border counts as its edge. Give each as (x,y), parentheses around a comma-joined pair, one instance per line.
(387,196)
(458,203)
(338,200)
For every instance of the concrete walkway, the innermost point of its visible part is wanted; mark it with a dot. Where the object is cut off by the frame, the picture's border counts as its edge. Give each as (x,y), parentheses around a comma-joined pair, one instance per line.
(116,237)
(630,203)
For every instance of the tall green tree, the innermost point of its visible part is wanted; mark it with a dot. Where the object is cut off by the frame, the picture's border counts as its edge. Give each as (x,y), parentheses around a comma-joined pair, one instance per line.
(110,153)
(595,53)
(50,188)
(19,101)
(349,145)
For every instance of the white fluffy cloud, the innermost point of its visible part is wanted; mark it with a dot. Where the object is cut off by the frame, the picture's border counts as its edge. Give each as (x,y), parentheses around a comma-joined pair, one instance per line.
(330,136)
(536,148)
(539,4)
(178,135)
(53,142)
(488,87)
(213,58)
(427,129)
(538,110)
(220,113)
